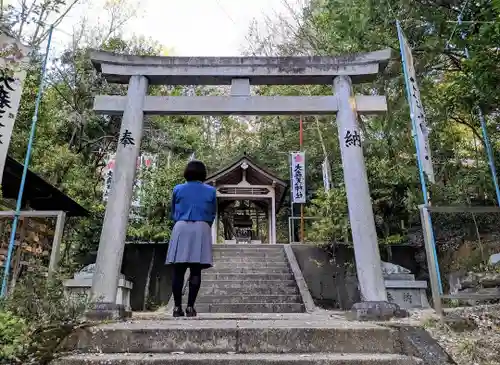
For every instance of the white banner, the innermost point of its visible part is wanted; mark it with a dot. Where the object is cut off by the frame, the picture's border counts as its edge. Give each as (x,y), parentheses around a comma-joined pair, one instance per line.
(325,167)
(13,62)
(416,109)
(298,177)
(144,161)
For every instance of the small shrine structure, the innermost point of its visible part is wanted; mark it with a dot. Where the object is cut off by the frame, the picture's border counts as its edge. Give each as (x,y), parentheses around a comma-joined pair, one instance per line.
(248,198)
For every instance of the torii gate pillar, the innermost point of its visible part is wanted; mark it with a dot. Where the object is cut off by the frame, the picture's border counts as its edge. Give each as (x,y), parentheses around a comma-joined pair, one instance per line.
(364,235)
(114,228)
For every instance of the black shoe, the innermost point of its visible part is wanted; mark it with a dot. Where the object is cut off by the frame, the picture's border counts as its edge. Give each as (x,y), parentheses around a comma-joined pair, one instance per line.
(178,312)
(190,312)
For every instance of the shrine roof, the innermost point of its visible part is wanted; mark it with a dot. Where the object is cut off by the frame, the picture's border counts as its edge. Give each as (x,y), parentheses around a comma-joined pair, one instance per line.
(256,174)
(38,193)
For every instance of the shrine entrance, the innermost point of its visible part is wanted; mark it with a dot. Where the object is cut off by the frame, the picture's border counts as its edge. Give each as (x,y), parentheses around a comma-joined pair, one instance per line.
(248,199)
(239,74)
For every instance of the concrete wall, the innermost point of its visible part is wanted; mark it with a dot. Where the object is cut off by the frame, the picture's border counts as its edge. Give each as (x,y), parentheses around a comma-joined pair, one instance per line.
(331,276)
(136,261)
(332,282)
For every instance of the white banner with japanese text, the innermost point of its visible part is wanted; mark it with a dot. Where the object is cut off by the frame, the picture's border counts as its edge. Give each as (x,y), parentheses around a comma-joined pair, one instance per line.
(144,162)
(298,177)
(13,62)
(325,168)
(416,109)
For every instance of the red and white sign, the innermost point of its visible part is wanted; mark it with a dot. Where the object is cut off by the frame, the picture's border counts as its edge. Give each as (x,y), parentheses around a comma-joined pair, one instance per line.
(145,161)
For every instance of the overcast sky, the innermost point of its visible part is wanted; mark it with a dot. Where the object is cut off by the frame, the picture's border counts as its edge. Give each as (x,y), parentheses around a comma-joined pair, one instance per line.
(202,27)
(188,27)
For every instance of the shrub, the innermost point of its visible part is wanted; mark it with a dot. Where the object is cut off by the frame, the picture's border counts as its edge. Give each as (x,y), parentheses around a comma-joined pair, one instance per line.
(13,337)
(43,316)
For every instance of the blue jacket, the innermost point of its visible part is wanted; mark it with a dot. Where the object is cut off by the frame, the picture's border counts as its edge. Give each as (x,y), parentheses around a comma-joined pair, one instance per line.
(194,201)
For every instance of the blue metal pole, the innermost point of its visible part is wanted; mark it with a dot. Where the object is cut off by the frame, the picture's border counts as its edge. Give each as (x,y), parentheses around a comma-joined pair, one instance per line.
(25,168)
(423,183)
(292,221)
(489,151)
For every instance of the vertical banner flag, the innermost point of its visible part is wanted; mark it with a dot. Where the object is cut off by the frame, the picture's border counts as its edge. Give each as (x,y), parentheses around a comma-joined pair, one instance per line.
(325,167)
(13,62)
(298,177)
(144,162)
(416,109)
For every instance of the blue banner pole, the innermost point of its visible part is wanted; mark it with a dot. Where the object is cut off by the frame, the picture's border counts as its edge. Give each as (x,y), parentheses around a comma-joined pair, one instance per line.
(423,183)
(25,168)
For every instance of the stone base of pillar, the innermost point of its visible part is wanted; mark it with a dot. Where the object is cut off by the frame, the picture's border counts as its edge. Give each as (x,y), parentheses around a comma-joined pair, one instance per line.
(107,311)
(376,311)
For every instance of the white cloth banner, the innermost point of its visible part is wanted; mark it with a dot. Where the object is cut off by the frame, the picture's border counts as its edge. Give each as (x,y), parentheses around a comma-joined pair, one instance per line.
(416,109)
(325,167)
(298,177)
(13,61)
(144,161)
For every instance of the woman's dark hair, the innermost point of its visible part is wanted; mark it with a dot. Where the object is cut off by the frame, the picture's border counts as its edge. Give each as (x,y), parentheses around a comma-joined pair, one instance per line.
(195,171)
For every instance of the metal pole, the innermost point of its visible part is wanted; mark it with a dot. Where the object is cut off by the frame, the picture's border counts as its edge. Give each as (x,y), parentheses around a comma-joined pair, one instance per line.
(301,142)
(489,152)
(423,184)
(25,167)
(433,273)
(291,221)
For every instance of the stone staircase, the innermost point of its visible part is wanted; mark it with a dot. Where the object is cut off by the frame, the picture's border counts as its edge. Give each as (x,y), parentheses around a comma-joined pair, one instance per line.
(248,279)
(253,280)
(260,281)
(303,340)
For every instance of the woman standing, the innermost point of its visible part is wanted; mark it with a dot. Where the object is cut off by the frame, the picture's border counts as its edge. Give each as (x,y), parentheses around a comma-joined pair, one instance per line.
(194,205)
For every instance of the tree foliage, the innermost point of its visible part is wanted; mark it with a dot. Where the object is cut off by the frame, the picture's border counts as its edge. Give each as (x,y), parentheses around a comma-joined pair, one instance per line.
(451,87)
(72,142)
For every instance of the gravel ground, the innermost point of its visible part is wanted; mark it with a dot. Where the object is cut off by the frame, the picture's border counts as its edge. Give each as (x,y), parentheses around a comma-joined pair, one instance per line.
(471,335)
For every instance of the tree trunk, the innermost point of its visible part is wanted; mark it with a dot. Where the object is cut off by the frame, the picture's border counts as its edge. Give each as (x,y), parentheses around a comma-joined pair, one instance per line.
(148,279)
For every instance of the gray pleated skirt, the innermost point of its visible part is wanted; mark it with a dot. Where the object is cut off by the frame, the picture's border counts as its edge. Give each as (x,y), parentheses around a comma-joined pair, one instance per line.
(191,242)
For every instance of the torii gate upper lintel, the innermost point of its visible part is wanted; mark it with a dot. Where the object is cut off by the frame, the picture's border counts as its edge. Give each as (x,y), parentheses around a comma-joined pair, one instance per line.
(240,73)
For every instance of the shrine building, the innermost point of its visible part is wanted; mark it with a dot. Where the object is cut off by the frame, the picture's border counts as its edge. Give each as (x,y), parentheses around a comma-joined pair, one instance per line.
(249,197)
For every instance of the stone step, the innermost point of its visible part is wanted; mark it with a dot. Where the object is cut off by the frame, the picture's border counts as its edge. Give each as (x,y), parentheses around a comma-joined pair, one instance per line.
(280,252)
(247,283)
(237,359)
(262,289)
(245,259)
(217,299)
(252,270)
(276,251)
(256,265)
(251,308)
(245,336)
(245,276)
(247,253)
(250,264)
(278,255)
(251,260)
(246,247)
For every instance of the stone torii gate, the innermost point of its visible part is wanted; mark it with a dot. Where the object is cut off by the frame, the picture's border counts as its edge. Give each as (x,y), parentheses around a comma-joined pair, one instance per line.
(238,72)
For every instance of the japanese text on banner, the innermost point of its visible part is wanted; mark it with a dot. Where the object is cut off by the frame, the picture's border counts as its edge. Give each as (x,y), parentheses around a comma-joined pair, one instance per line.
(13,63)
(416,110)
(298,177)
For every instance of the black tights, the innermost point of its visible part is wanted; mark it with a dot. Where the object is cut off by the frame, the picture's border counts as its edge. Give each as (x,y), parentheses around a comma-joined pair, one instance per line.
(178,283)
